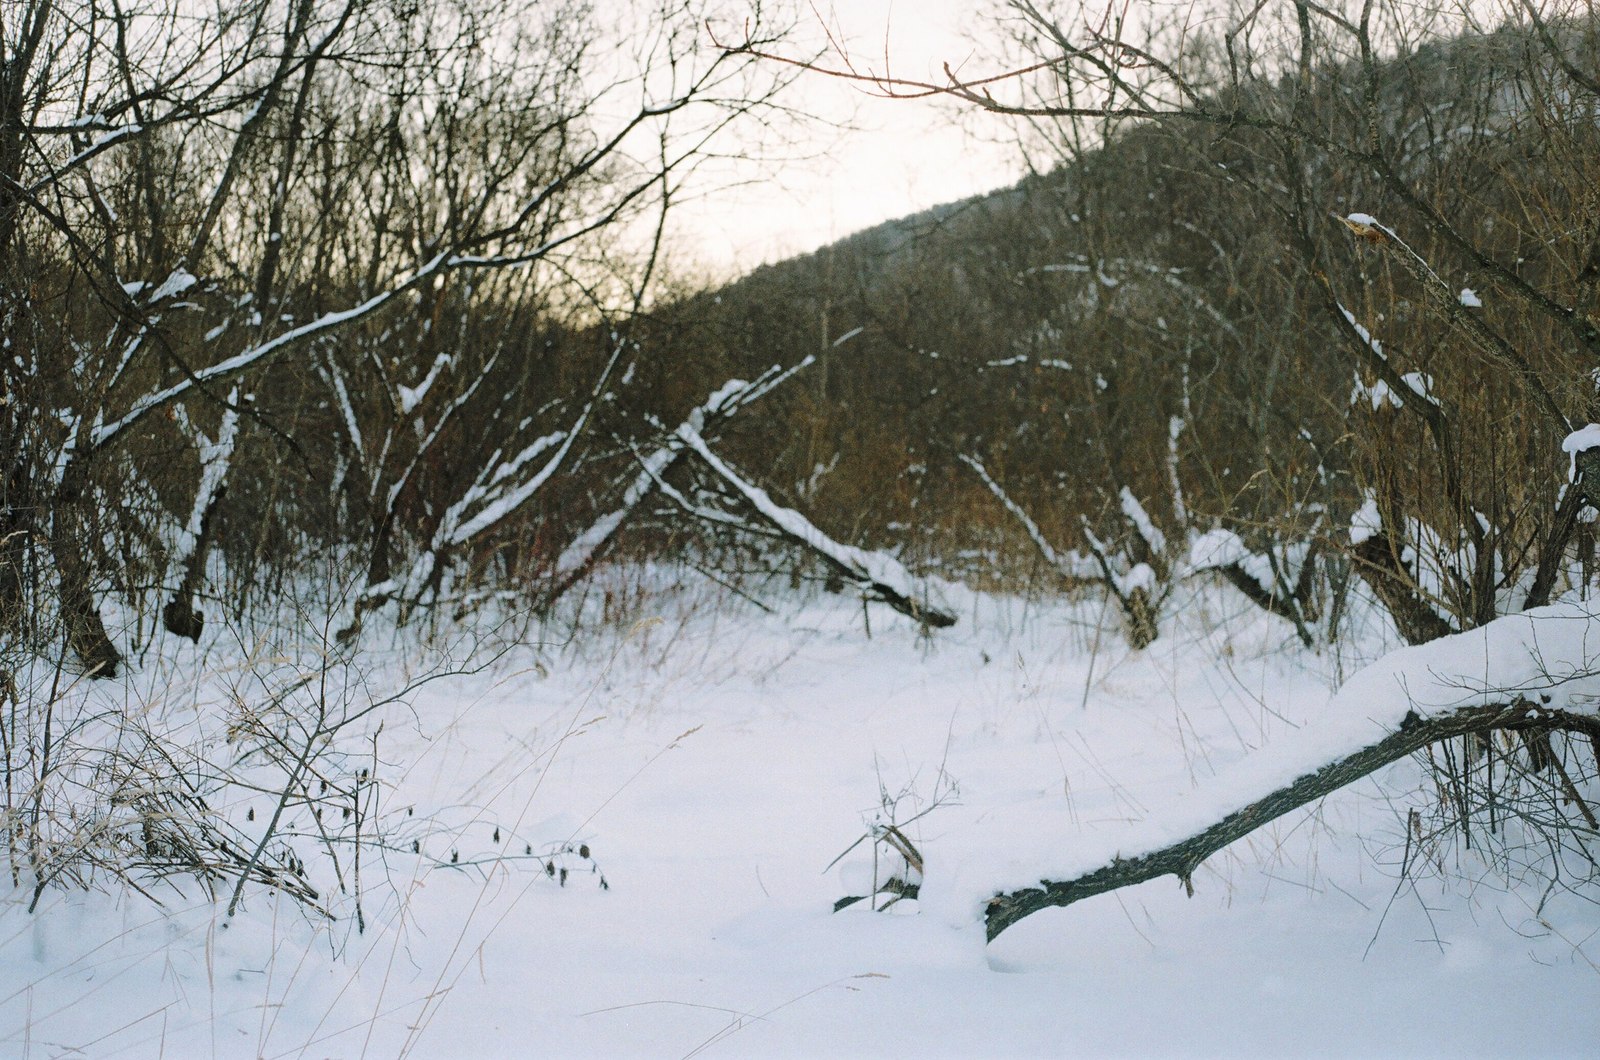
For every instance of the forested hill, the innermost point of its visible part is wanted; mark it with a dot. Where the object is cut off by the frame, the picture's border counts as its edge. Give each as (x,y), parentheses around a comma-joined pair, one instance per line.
(1187,315)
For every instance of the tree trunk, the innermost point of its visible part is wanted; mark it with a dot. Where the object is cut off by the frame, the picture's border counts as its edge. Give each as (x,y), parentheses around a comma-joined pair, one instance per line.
(181,616)
(80,614)
(1141,618)
(16,531)
(1379,565)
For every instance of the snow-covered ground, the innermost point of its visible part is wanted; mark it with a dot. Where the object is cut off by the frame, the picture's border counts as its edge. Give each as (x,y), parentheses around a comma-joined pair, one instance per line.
(713,759)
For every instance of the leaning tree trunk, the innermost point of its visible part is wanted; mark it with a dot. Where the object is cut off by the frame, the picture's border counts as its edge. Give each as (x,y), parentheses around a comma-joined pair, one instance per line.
(877,575)
(1181,859)
(1377,559)
(180,615)
(69,547)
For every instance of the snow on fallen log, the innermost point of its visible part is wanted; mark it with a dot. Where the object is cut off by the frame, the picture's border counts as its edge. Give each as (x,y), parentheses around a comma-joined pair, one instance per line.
(1538,670)
(878,575)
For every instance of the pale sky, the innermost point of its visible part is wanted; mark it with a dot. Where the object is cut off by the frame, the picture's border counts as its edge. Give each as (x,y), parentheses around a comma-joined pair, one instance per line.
(904,156)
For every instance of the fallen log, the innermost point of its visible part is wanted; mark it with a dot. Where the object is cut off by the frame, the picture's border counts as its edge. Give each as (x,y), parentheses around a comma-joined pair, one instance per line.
(1181,859)
(1535,673)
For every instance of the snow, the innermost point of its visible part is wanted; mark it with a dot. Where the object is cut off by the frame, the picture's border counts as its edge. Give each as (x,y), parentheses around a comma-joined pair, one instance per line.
(1582,440)
(715,759)
(179,281)
(1223,548)
(1548,654)
(725,400)
(587,544)
(411,397)
(1579,441)
(1366,336)
(332,373)
(1551,655)
(1380,394)
(1139,576)
(216,457)
(1366,522)
(1259,567)
(233,366)
(1072,565)
(111,136)
(1148,531)
(1367,221)
(726,395)
(497,503)
(1216,548)
(1420,384)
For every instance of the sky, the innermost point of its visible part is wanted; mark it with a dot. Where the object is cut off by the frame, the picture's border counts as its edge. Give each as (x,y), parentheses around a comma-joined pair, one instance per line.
(897,157)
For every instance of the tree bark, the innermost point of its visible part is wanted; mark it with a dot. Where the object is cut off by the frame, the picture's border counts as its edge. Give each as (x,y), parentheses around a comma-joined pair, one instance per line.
(1182,858)
(80,614)
(1141,618)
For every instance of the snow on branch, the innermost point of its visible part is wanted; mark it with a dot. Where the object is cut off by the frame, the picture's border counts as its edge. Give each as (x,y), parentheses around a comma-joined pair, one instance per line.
(243,361)
(1133,585)
(1365,226)
(1579,442)
(412,396)
(1072,566)
(188,559)
(499,490)
(580,555)
(215,458)
(1457,308)
(1152,535)
(1373,345)
(441,263)
(878,575)
(1281,588)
